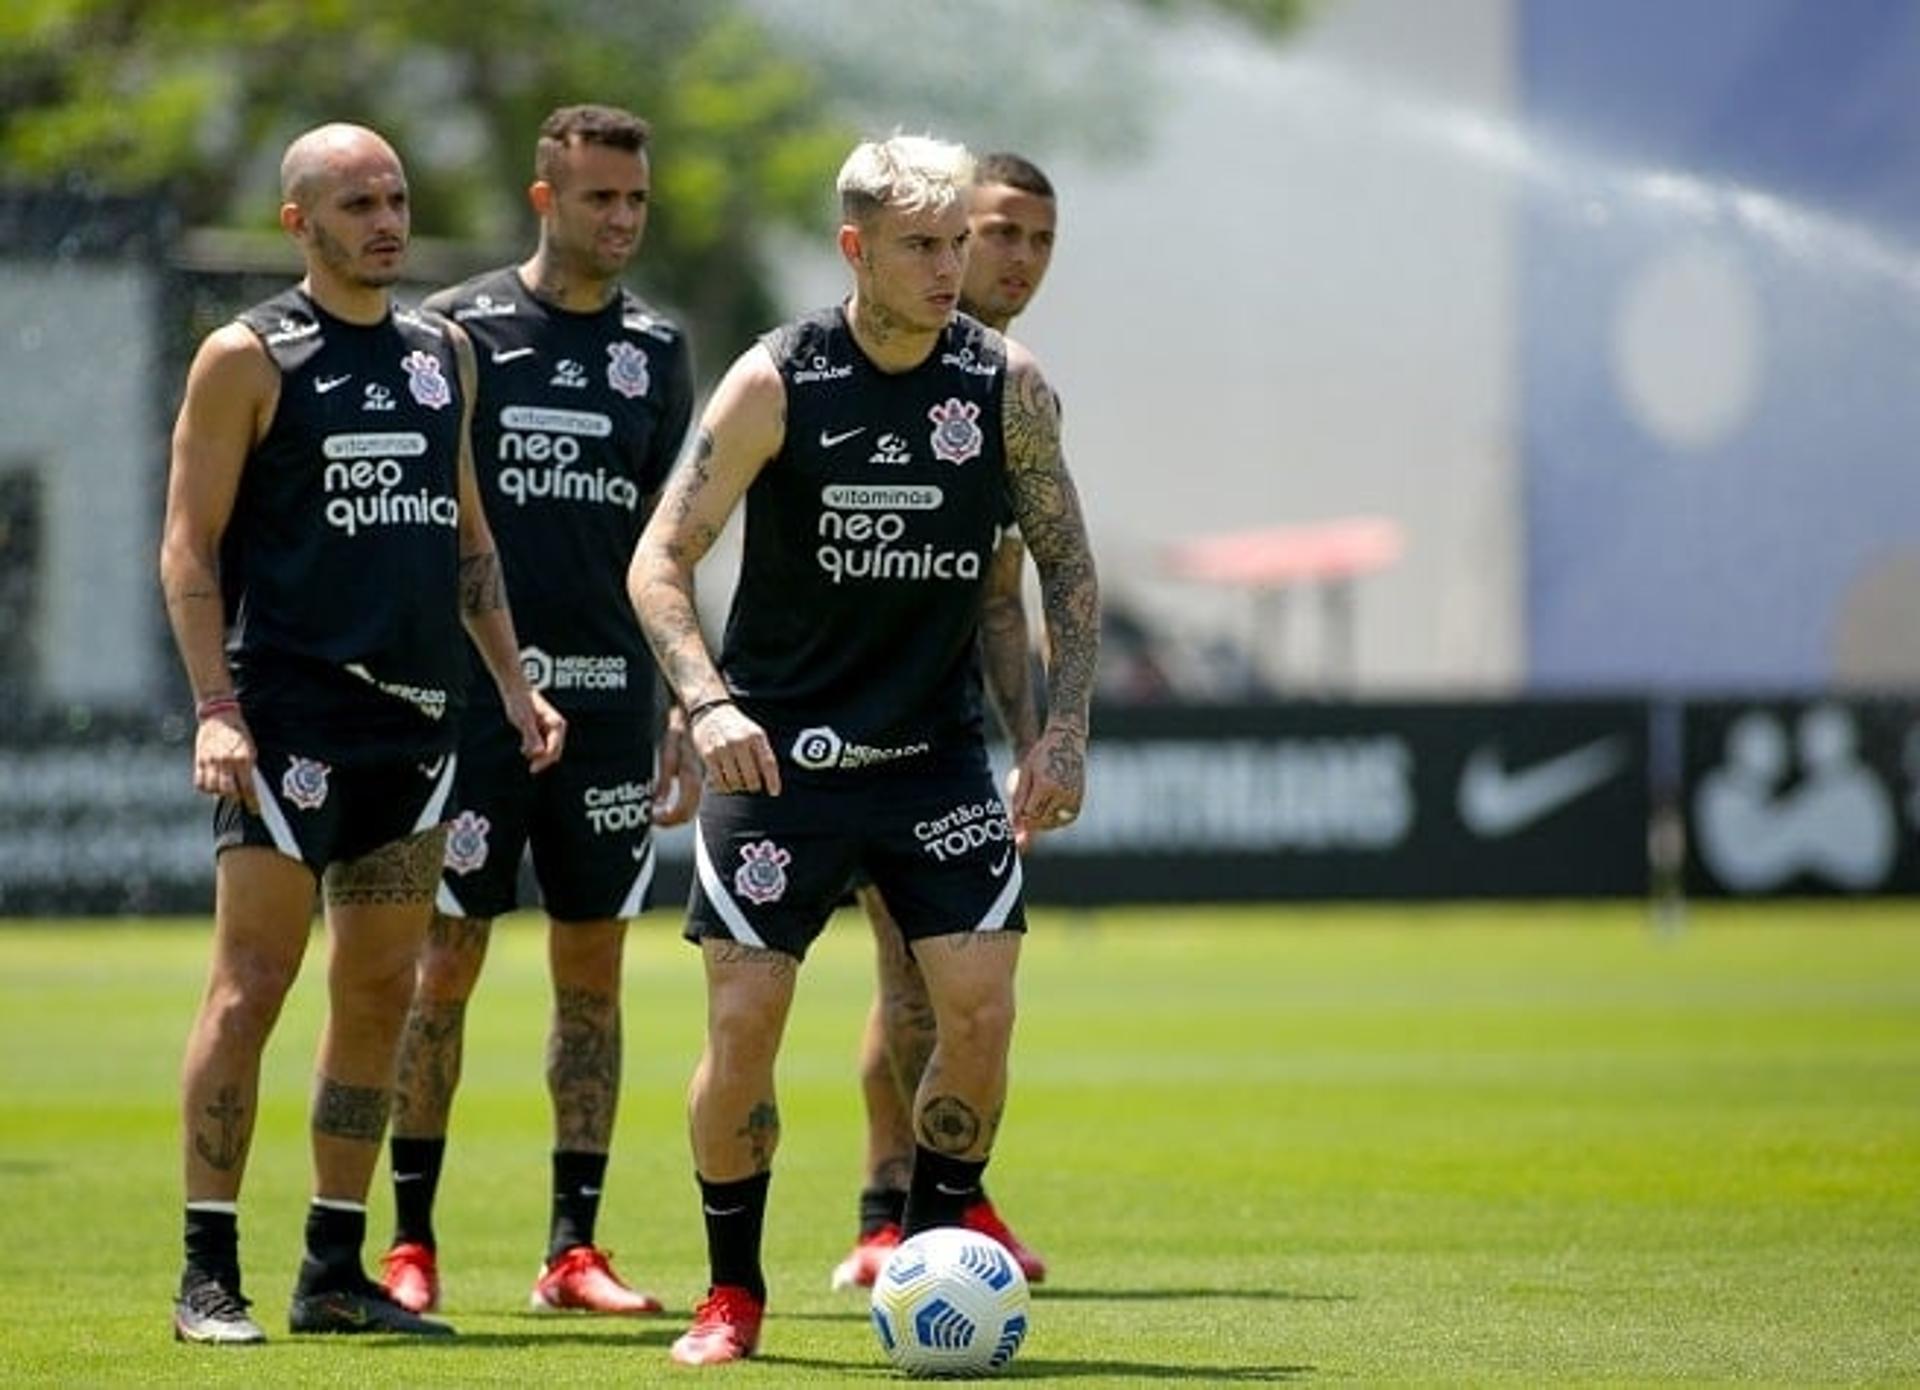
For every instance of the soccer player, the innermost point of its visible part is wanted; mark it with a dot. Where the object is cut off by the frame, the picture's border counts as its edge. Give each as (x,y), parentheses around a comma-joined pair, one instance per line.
(324,545)
(1012,219)
(879,445)
(584,398)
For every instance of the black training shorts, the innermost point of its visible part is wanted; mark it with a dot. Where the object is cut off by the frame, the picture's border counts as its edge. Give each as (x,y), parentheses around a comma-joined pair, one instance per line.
(935,841)
(588,820)
(322,814)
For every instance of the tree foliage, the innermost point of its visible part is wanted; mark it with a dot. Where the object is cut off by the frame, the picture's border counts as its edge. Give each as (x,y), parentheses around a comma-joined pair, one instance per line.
(195,99)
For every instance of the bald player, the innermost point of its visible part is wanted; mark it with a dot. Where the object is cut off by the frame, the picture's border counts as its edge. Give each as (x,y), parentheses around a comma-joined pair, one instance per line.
(324,560)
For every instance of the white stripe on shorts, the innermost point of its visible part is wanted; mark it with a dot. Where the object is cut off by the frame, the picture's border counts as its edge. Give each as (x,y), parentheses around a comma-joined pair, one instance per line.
(637,895)
(717,894)
(275,818)
(996,917)
(430,815)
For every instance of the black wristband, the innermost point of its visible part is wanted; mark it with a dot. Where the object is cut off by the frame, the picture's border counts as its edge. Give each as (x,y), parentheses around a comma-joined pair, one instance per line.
(707,706)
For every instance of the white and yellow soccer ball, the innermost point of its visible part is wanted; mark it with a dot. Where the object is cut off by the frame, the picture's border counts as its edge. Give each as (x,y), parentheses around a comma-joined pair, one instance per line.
(950,1302)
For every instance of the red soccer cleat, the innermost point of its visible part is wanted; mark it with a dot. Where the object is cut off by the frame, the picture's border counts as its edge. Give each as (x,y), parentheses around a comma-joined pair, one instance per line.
(862,1265)
(726,1327)
(411,1276)
(983,1218)
(582,1279)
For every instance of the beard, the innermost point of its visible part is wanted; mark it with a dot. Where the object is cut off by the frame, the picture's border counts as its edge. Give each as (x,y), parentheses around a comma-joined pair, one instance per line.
(333,254)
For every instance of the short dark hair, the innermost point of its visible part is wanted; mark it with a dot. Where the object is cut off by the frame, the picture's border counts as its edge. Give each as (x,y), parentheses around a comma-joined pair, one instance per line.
(1013,170)
(586,125)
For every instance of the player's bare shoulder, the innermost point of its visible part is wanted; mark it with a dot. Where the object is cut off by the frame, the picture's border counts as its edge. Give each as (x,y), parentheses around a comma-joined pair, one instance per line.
(232,378)
(750,406)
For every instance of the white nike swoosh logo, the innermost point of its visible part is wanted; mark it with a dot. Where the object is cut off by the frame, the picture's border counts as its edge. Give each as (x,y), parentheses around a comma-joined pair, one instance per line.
(1001,867)
(716,1211)
(408,1177)
(324,384)
(953,1191)
(511,354)
(827,441)
(589,1192)
(1495,802)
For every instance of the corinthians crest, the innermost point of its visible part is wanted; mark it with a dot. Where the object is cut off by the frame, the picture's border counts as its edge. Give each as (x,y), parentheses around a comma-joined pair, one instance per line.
(762,875)
(467,843)
(627,372)
(956,430)
(305,783)
(429,387)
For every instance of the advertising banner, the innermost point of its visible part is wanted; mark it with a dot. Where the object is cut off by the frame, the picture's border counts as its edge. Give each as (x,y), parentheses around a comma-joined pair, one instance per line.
(1798,797)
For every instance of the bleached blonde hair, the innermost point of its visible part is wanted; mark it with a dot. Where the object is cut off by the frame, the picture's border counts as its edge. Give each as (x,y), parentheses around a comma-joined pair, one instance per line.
(903,173)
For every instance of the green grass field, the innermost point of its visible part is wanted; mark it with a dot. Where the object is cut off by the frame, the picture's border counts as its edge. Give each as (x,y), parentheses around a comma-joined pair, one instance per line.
(1459,1145)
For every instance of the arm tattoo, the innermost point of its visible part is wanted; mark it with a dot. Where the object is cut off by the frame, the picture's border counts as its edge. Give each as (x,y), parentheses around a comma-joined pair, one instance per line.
(1048,509)
(1004,657)
(192,594)
(762,1133)
(668,616)
(583,1067)
(223,1144)
(481,590)
(949,1125)
(351,1112)
(405,871)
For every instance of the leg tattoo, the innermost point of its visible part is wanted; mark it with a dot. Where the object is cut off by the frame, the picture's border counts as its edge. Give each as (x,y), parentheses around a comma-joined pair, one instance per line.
(351,1112)
(583,1068)
(223,1144)
(405,871)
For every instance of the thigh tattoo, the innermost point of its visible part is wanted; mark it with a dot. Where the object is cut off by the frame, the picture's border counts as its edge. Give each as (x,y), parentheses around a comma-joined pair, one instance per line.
(405,871)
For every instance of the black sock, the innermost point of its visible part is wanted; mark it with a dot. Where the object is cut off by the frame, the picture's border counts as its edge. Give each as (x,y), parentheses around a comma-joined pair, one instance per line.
(735,1212)
(416,1182)
(942,1188)
(213,1248)
(335,1233)
(577,1177)
(881,1206)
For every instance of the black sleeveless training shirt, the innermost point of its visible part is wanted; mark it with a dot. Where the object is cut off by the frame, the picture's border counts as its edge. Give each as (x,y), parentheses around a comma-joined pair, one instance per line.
(852,636)
(576,424)
(340,563)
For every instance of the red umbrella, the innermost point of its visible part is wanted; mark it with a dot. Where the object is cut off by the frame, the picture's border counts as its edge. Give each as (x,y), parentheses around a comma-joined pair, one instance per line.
(1328,555)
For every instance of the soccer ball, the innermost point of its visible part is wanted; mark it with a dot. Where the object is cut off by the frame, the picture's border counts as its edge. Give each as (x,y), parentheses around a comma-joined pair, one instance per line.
(950,1302)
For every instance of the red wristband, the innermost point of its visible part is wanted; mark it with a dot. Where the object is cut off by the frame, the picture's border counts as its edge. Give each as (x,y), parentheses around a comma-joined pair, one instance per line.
(225,703)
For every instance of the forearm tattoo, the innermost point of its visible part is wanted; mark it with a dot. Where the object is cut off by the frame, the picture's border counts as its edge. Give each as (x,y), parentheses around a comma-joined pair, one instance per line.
(222,1143)
(583,1067)
(1004,657)
(405,871)
(351,1112)
(429,1070)
(481,587)
(192,593)
(1048,509)
(667,613)
(762,1133)
(949,1125)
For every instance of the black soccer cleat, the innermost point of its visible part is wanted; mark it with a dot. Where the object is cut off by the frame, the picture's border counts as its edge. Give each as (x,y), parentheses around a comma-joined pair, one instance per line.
(365,1308)
(210,1312)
